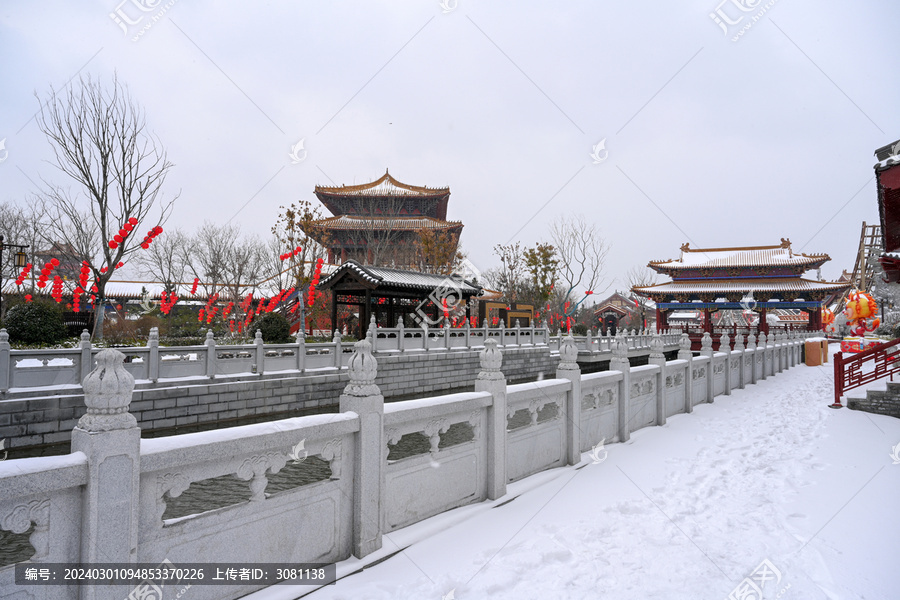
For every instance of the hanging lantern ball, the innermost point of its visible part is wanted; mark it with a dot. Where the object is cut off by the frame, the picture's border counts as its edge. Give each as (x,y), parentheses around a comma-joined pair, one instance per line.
(118,238)
(113,244)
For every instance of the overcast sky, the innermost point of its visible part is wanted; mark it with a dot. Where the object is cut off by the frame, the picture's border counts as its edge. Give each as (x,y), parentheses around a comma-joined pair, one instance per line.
(707,140)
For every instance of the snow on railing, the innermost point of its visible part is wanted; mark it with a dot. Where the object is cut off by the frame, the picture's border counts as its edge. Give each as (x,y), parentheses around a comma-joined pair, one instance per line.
(130,499)
(849,373)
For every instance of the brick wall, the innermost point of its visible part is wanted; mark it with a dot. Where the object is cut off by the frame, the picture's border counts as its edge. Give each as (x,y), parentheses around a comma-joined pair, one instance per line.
(29,425)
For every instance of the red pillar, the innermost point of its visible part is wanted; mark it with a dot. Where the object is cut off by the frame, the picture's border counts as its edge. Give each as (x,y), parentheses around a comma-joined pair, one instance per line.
(707,320)
(659,314)
(763,323)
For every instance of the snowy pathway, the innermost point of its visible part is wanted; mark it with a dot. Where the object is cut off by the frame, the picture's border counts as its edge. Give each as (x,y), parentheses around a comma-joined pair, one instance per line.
(687,511)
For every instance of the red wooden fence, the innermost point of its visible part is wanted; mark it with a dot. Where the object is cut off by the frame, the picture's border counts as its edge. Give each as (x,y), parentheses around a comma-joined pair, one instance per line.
(848,372)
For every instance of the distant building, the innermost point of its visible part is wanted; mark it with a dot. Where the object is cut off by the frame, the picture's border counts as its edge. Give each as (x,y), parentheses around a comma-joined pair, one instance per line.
(381,222)
(611,311)
(750,278)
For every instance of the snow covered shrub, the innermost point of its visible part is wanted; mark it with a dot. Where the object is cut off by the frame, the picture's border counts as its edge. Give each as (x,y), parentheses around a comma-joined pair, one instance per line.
(35,323)
(274,327)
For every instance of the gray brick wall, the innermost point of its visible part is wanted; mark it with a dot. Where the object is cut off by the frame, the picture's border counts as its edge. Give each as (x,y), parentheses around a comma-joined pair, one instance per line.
(28,424)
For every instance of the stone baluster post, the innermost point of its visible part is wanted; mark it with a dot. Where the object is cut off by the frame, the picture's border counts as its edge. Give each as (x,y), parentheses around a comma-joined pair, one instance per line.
(210,355)
(5,362)
(706,348)
(373,332)
(301,350)
(657,357)
(446,329)
(400,335)
(762,347)
(589,342)
(751,347)
(518,334)
(110,438)
(153,354)
(492,380)
(619,362)
(739,347)
(568,369)
(260,353)
(725,346)
(363,397)
(87,363)
(468,335)
(502,334)
(684,353)
(338,349)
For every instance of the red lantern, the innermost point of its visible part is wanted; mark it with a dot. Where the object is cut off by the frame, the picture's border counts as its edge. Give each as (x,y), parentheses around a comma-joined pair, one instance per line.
(27,297)
(133,221)
(113,244)
(128,227)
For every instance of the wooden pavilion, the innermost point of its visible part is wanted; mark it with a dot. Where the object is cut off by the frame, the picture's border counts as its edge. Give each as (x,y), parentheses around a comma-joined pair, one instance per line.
(382,218)
(760,278)
(393,294)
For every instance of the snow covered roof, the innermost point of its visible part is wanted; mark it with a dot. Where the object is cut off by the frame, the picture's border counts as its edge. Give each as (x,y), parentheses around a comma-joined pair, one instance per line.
(385,277)
(383,186)
(743,256)
(794,285)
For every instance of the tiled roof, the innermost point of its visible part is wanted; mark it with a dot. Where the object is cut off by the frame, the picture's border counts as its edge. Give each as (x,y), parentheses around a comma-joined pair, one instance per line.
(747,256)
(775,285)
(888,156)
(383,186)
(392,223)
(384,276)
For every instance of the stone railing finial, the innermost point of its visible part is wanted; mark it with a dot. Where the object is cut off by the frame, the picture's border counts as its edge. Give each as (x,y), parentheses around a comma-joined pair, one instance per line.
(706,342)
(724,343)
(491,361)
(620,346)
(568,354)
(363,368)
(107,394)
(657,347)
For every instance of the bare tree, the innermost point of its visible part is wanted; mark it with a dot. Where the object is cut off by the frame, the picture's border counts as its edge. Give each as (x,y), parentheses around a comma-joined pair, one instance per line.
(208,254)
(582,254)
(101,142)
(165,259)
(641,276)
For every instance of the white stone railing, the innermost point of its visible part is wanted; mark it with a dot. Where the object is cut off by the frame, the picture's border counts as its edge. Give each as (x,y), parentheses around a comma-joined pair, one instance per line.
(116,497)
(28,369)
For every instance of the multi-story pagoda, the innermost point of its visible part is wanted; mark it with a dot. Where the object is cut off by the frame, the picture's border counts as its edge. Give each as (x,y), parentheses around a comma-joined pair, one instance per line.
(760,278)
(382,221)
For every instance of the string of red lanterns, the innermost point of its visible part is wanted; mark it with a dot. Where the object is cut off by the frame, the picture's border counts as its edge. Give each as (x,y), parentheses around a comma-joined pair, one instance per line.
(46,270)
(21,278)
(315,281)
(291,254)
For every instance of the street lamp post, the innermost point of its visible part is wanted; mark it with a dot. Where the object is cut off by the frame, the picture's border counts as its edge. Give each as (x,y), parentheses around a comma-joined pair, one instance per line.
(19,263)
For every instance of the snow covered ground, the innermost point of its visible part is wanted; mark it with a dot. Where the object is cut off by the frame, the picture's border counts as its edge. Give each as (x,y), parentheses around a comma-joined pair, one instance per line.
(689,510)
